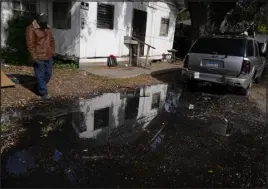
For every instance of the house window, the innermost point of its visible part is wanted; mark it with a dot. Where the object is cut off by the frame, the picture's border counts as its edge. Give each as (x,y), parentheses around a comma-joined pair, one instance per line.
(155,101)
(101,118)
(132,105)
(164,27)
(62,14)
(132,108)
(25,7)
(105,16)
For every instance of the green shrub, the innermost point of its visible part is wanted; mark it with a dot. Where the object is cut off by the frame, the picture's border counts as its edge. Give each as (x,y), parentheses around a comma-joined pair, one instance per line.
(262,28)
(15,51)
(60,61)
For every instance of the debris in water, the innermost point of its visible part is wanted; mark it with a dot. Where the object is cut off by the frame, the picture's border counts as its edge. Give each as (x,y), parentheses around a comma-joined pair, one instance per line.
(238,175)
(57,155)
(20,162)
(191,106)
(156,142)
(70,174)
(221,128)
(210,171)
(172,102)
(220,167)
(52,169)
(15,80)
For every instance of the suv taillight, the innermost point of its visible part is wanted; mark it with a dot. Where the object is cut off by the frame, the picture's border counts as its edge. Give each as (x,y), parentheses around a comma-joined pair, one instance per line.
(186,61)
(245,67)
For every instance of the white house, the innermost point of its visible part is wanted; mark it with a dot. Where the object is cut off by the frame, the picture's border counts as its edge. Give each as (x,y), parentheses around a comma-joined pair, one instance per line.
(94,30)
(102,116)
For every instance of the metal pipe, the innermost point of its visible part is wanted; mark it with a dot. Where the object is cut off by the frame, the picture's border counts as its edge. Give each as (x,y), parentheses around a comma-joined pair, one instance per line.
(0,24)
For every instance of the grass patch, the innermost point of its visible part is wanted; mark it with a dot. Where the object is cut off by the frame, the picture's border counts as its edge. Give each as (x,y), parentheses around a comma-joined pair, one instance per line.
(60,61)
(52,126)
(5,128)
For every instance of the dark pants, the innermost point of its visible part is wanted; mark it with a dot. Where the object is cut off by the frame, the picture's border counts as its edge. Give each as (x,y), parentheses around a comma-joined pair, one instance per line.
(43,73)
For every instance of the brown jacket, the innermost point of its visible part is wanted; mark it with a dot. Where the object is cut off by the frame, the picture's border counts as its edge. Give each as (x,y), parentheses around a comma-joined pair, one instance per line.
(41,43)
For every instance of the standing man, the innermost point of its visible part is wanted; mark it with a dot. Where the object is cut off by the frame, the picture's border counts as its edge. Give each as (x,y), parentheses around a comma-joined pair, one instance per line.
(41,45)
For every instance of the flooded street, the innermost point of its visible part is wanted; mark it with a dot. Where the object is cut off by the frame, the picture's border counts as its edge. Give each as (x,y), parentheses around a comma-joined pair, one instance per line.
(155,136)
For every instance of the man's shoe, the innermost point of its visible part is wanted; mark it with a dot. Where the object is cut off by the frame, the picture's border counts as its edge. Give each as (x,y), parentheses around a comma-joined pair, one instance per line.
(46,97)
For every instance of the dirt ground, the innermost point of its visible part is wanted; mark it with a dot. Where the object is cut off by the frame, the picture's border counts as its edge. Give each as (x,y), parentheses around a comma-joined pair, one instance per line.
(65,83)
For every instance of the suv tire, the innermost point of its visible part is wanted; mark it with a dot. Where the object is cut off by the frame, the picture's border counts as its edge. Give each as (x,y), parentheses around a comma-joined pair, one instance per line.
(246,92)
(257,80)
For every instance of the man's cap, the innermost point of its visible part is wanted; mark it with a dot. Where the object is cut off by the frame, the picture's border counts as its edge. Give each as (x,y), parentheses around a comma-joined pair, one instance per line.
(42,17)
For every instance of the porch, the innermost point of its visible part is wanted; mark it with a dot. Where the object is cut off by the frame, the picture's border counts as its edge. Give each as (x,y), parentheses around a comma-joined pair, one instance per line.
(125,71)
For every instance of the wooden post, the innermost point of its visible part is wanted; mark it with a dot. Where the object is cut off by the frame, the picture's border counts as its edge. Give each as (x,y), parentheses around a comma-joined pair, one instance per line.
(130,55)
(138,54)
(146,61)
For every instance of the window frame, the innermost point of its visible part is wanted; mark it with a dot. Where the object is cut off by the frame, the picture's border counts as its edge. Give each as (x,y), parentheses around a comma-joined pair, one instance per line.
(153,106)
(94,119)
(69,21)
(113,13)
(132,104)
(161,25)
(21,11)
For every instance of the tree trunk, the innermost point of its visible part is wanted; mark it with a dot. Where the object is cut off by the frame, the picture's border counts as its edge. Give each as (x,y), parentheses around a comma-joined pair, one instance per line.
(198,12)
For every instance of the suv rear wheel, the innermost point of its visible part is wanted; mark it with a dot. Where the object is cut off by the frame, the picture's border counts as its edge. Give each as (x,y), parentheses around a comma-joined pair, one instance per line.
(246,92)
(257,79)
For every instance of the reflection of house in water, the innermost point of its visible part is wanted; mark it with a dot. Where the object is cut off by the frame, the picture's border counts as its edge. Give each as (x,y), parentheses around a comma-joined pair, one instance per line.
(107,115)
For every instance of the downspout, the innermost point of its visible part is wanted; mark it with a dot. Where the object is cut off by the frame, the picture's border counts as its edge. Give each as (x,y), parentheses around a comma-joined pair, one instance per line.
(152,30)
(0,24)
(47,12)
(39,6)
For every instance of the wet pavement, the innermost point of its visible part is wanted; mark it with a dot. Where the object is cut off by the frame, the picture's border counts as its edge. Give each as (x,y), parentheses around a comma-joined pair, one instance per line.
(204,138)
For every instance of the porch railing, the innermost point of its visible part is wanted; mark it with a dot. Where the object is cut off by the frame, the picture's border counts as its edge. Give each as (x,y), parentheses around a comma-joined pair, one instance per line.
(130,40)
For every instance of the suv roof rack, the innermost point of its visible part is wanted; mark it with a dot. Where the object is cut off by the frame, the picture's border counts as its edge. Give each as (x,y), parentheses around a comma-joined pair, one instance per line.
(239,34)
(229,36)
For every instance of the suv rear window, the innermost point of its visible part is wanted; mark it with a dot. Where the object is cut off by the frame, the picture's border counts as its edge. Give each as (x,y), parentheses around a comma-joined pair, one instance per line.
(223,46)
(250,48)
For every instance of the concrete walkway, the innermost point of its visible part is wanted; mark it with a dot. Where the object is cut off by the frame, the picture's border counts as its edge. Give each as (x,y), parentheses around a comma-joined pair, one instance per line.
(122,71)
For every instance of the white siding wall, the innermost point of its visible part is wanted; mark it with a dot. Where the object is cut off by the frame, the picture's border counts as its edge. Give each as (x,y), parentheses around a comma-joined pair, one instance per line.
(162,43)
(96,42)
(67,41)
(6,14)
